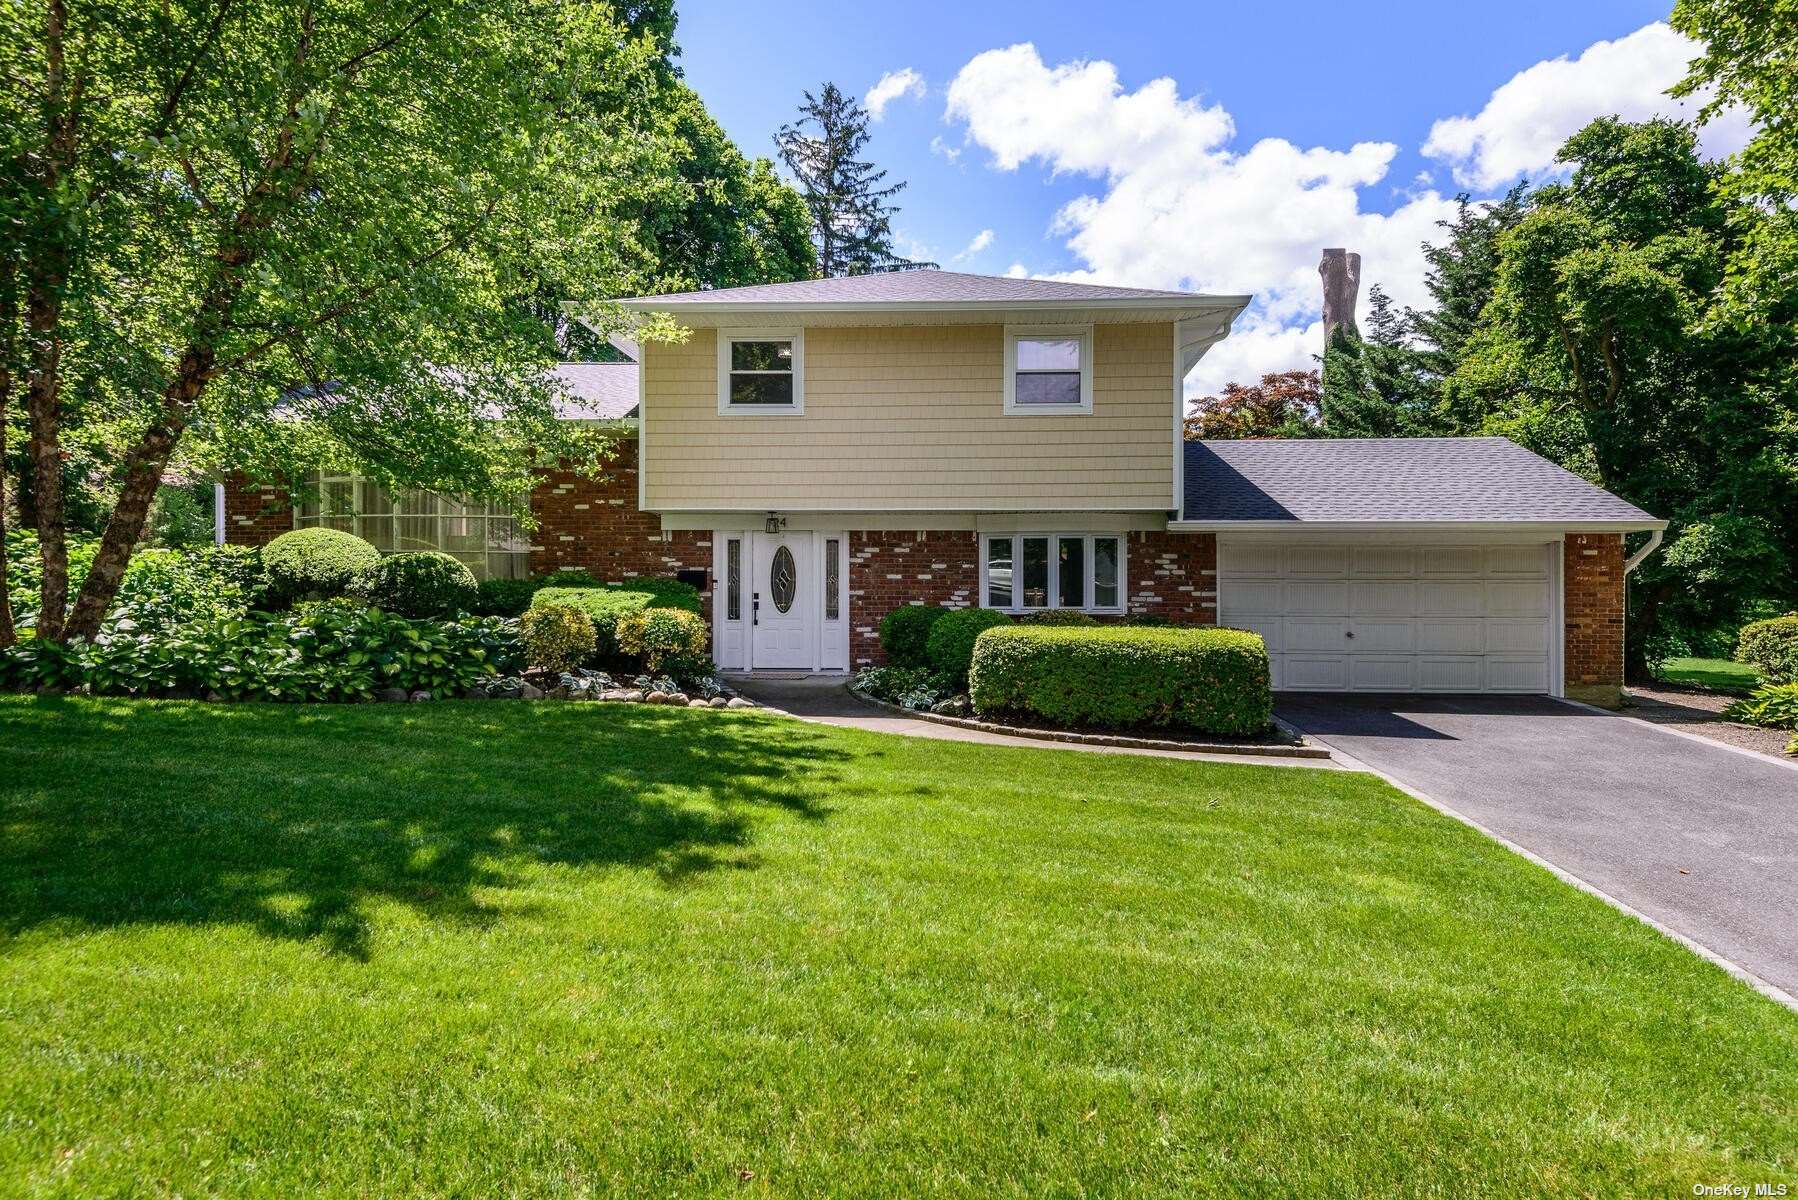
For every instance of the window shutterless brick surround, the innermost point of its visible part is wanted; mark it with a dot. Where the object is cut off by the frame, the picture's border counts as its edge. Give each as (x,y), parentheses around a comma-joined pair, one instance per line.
(1593,601)
(1171,575)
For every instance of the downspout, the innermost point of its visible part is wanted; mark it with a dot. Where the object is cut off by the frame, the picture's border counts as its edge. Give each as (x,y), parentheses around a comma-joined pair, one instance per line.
(218,513)
(1635,560)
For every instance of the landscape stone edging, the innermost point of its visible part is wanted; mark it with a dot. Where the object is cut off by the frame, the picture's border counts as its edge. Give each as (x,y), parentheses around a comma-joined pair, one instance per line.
(1304,749)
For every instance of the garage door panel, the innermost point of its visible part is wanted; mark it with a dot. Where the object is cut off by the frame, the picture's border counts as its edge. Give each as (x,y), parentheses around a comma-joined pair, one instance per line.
(1384,560)
(1384,637)
(1316,672)
(1269,629)
(1315,599)
(1255,597)
(1249,558)
(1382,597)
(1310,634)
(1441,598)
(1517,636)
(1371,674)
(1449,560)
(1516,674)
(1317,560)
(1440,673)
(1504,599)
(1451,635)
(1516,560)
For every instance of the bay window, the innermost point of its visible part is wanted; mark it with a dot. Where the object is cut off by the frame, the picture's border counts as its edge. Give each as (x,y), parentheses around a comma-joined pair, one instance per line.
(484,536)
(1029,572)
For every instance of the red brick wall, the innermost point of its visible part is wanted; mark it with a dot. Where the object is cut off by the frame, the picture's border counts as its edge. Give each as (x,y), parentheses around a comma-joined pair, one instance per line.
(255,515)
(1592,566)
(1171,575)
(594,523)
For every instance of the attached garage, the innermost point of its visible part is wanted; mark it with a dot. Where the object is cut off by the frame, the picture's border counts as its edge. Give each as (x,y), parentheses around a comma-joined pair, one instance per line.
(1416,564)
(1382,617)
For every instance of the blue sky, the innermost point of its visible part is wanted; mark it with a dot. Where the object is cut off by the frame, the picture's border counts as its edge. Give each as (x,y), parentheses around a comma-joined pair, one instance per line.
(1203,145)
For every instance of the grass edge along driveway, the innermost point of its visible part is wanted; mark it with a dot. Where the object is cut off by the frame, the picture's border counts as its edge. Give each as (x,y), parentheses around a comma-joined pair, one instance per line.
(570,950)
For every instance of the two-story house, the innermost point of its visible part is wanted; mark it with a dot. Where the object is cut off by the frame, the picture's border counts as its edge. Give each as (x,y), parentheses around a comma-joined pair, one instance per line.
(818,453)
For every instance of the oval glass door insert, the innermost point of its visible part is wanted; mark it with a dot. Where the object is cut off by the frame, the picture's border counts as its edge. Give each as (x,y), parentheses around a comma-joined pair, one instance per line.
(782,577)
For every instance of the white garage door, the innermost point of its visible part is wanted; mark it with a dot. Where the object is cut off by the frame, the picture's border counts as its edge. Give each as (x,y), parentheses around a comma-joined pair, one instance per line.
(1347,617)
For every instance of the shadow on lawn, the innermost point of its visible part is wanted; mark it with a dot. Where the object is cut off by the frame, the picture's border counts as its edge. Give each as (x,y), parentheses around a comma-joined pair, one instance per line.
(291,820)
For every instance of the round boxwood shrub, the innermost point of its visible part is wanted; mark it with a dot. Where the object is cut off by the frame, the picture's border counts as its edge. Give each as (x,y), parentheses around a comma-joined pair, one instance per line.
(424,583)
(905,634)
(503,597)
(1207,680)
(556,637)
(1772,648)
(668,641)
(316,564)
(951,643)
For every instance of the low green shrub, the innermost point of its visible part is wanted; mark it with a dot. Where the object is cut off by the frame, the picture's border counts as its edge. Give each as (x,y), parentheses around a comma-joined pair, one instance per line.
(423,583)
(556,636)
(667,641)
(1774,706)
(161,587)
(607,604)
(1208,680)
(905,634)
(572,577)
(1771,647)
(951,644)
(315,564)
(326,651)
(503,597)
(1059,616)
(916,688)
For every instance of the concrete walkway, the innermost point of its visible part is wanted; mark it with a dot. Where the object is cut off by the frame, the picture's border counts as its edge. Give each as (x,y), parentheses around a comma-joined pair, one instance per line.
(829,702)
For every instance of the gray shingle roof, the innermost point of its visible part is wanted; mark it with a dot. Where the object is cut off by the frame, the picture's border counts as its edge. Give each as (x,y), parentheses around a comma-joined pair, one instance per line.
(597,391)
(912,287)
(1390,479)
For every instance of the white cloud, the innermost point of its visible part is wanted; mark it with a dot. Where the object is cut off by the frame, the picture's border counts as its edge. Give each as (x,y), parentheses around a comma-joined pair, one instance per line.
(1181,208)
(1527,118)
(1017,270)
(979,242)
(939,146)
(890,87)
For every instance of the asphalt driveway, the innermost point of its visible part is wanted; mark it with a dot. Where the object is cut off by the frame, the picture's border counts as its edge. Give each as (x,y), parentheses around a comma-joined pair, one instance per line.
(1701,838)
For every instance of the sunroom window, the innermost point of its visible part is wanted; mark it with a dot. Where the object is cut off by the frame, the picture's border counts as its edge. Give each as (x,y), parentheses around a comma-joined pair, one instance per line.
(484,536)
(1026,572)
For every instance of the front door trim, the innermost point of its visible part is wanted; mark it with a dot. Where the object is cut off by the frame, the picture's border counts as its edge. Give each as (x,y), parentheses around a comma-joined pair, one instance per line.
(733,642)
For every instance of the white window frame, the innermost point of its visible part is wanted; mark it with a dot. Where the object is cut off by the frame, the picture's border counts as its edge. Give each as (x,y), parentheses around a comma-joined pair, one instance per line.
(1066,333)
(1017,589)
(726,337)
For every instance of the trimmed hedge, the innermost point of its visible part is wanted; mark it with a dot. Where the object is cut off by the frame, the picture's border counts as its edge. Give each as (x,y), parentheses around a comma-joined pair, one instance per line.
(668,641)
(905,634)
(1771,647)
(422,583)
(607,604)
(951,643)
(316,563)
(1060,616)
(1208,680)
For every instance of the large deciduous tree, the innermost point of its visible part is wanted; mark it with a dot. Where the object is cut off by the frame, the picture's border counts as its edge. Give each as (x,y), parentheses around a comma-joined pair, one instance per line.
(848,196)
(1602,348)
(268,224)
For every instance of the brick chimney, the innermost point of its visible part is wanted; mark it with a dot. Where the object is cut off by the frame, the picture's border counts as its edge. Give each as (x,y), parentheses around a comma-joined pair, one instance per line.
(1341,273)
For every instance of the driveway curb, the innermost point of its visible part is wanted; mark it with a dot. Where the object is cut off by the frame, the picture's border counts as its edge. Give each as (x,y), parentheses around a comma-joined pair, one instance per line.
(1770,990)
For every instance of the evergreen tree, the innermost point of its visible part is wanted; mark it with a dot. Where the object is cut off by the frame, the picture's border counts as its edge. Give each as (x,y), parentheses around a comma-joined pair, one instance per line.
(1377,384)
(848,196)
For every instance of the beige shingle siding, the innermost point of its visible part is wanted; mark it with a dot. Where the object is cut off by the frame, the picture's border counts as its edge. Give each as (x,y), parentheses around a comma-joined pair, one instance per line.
(912,417)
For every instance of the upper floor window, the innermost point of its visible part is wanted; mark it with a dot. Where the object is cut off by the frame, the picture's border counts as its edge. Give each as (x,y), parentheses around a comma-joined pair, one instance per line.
(484,536)
(761,371)
(1049,369)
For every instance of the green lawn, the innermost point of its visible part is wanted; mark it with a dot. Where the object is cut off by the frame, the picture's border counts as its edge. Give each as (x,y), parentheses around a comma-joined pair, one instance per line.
(1722,674)
(484,949)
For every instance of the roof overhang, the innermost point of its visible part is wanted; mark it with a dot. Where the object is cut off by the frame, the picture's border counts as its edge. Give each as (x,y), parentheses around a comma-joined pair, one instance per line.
(1327,528)
(705,314)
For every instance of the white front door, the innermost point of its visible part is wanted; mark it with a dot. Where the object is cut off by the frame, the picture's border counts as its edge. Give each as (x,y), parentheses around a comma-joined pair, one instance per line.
(783,602)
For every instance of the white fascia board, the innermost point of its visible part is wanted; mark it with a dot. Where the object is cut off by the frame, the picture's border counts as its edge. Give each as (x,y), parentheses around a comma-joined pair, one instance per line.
(1197,305)
(630,347)
(1317,528)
